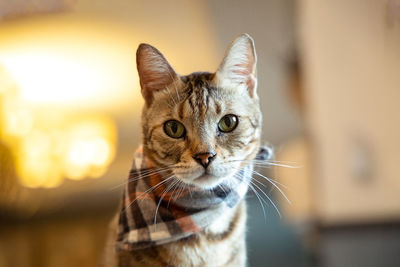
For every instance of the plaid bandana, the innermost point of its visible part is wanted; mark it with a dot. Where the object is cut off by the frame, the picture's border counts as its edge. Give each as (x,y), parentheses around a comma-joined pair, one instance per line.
(153,213)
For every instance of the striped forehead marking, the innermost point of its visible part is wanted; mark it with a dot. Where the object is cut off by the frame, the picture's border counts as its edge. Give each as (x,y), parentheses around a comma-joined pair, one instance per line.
(197,93)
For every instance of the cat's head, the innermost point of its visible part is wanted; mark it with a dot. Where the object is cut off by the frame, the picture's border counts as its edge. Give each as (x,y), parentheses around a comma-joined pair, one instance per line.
(206,126)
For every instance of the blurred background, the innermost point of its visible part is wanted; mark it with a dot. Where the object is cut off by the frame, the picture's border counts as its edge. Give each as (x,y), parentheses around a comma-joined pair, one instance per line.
(329,83)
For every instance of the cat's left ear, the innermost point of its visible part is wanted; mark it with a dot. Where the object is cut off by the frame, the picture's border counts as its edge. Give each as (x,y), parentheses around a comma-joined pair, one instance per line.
(155,72)
(239,65)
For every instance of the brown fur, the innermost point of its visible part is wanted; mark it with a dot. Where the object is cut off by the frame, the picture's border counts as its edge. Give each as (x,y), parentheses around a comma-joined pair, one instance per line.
(199,101)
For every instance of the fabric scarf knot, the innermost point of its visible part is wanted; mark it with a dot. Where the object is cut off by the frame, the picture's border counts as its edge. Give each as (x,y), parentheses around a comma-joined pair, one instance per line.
(152,213)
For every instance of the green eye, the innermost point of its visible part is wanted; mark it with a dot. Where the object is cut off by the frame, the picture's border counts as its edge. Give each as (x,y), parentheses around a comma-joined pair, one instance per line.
(228,123)
(174,129)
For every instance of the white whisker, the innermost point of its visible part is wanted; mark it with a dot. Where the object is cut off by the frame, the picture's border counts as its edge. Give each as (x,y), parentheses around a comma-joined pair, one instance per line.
(222,188)
(182,189)
(176,89)
(150,189)
(259,200)
(174,191)
(261,163)
(170,94)
(274,184)
(266,163)
(255,180)
(143,175)
(273,204)
(159,202)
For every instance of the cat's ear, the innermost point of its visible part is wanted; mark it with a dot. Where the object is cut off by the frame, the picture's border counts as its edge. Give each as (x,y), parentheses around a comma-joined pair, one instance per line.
(239,65)
(155,72)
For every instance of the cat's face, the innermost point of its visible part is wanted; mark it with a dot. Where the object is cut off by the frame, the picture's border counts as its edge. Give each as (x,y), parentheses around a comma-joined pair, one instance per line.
(206,126)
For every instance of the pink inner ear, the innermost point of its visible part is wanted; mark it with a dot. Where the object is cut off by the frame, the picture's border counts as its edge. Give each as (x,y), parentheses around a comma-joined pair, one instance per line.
(155,80)
(155,72)
(250,86)
(247,70)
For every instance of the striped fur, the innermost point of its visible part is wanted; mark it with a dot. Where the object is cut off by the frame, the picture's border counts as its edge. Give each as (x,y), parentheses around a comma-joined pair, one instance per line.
(199,101)
(199,105)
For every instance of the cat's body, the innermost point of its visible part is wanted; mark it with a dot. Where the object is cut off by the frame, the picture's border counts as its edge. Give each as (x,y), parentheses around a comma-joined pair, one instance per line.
(202,129)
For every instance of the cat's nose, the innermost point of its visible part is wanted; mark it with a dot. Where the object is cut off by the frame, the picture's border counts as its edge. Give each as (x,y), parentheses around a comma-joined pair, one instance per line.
(205,158)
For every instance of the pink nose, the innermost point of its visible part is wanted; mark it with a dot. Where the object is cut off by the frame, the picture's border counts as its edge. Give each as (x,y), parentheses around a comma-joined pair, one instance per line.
(204,159)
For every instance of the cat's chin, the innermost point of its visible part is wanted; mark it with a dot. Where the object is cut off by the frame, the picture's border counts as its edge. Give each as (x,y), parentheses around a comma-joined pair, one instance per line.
(207,181)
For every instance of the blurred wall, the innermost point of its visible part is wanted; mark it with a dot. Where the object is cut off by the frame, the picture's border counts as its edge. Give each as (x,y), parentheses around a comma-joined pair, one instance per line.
(351,53)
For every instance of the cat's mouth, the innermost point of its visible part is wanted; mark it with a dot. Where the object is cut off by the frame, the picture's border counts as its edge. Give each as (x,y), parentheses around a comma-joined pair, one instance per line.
(208,180)
(205,178)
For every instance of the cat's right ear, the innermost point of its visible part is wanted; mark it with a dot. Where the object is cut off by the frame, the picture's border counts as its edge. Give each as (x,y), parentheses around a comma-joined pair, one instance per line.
(155,73)
(239,65)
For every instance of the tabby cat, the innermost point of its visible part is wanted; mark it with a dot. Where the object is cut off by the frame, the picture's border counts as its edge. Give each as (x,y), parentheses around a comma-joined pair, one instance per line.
(183,204)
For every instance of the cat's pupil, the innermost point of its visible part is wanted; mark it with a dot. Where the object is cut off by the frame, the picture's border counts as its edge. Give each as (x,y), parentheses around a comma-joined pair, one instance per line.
(228,121)
(174,127)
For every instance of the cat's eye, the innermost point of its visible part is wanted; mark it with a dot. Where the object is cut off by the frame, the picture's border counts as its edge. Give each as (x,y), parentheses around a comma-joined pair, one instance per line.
(228,123)
(174,129)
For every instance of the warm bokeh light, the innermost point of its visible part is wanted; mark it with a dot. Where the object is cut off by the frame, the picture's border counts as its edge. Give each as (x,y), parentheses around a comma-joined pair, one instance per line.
(90,148)
(51,89)
(19,122)
(73,148)
(69,63)
(51,144)
(55,78)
